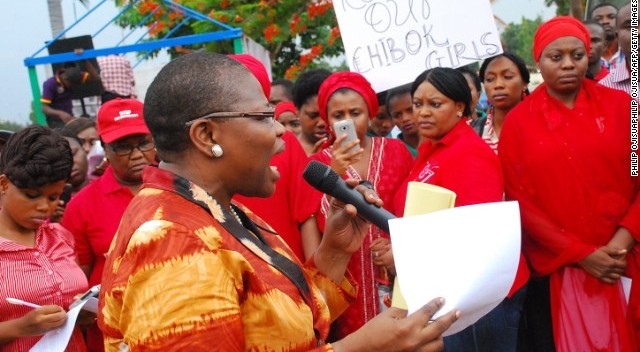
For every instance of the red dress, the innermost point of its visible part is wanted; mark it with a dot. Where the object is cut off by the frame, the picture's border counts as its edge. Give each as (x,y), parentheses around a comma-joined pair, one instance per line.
(570,171)
(389,165)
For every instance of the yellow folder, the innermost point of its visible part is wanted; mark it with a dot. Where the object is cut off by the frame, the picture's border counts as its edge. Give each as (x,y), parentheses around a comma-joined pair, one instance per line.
(422,198)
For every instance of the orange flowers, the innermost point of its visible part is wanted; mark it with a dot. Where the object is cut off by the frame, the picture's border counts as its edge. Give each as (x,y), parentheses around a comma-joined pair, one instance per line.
(307,58)
(333,35)
(147,6)
(296,26)
(317,8)
(292,72)
(270,32)
(316,50)
(156,28)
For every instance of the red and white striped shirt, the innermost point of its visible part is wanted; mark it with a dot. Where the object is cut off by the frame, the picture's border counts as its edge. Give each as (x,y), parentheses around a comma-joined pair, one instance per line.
(619,78)
(489,134)
(45,274)
(116,75)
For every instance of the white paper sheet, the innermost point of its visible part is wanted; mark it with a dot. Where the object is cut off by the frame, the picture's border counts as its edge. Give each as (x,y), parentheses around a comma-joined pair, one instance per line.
(58,339)
(468,255)
(626,287)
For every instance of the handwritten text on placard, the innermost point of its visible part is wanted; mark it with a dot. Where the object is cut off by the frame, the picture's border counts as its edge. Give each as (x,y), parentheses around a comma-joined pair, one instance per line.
(392,41)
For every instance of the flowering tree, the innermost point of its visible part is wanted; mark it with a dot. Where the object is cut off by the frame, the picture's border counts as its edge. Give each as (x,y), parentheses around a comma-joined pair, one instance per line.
(298,34)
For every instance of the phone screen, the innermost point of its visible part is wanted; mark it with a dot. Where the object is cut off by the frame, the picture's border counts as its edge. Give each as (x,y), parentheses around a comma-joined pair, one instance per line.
(346,127)
(66,193)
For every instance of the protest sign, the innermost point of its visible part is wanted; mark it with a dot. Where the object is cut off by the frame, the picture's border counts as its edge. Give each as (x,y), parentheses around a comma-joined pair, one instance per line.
(390,42)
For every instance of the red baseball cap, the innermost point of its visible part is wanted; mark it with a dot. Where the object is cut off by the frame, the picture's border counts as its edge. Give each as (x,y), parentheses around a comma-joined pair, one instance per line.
(120,118)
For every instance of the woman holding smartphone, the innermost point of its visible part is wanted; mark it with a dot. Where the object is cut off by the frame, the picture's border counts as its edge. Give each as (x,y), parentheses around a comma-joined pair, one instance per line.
(384,162)
(37,260)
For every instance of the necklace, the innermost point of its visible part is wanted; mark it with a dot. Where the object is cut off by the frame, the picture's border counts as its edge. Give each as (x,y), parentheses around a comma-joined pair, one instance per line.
(235,215)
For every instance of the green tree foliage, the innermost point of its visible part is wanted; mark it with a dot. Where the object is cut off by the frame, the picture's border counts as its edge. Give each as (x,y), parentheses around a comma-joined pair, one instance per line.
(298,34)
(518,38)
(10,126)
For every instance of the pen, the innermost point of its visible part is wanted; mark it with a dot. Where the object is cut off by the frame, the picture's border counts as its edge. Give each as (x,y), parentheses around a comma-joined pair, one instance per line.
(22,303)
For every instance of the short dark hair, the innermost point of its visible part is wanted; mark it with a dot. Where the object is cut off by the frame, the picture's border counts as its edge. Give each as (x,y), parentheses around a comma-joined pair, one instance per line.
(592,23)
(73,75)
(602,4)
(286,84)
(392,93)
(77,125)
(474,76)
(36,156)
(449,82)
(307,85)
(517,60)
(186,88)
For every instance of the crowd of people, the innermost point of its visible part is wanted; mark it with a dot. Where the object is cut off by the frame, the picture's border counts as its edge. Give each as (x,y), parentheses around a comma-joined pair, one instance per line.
(196,222)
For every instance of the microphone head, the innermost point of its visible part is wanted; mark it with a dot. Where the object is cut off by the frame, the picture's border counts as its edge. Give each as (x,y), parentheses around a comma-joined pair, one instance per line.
(320,176)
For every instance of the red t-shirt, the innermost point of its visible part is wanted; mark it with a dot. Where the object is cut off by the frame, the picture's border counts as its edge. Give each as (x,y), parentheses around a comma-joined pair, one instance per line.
(463,163)
(93,216)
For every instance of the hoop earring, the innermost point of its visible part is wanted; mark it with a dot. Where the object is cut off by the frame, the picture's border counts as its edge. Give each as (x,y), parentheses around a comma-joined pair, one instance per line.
(216,150)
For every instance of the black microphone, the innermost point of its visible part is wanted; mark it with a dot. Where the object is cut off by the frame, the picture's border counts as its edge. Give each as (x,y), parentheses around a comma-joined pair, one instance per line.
(325,180)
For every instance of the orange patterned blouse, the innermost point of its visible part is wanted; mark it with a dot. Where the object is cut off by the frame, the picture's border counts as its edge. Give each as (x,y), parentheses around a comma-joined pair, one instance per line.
(182,273)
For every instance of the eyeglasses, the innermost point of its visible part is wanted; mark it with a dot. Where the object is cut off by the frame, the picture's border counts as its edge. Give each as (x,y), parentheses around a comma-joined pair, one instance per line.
(127,149)
(266,116)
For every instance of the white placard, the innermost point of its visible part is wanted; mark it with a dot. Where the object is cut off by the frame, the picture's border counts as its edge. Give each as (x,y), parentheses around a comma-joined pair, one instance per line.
(390,42)
(468,255)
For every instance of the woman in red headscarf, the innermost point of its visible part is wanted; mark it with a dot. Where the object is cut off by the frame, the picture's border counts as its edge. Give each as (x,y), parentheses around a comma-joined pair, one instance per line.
(385,163)
(287,115)
(566,160)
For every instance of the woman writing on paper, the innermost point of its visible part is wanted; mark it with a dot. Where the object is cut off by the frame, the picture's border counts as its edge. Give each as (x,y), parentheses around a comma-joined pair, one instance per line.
(565,155)
(453,156)
(37,260)
(384,162)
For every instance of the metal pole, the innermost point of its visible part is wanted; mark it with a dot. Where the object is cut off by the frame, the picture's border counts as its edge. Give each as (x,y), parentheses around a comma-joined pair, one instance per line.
(237,45)
(35,92)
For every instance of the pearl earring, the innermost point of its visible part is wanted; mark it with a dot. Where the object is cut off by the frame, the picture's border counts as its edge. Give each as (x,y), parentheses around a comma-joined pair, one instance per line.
(459,113)
(216,150)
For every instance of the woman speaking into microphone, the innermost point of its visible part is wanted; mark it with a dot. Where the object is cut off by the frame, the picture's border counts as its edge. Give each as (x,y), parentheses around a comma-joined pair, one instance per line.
(188,269)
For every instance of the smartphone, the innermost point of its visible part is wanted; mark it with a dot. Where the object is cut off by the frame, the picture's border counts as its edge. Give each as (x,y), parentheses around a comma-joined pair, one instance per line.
(66,193)
(346,127)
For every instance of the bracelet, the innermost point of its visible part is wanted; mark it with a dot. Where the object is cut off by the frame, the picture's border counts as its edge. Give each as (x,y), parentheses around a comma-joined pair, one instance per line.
(366,183)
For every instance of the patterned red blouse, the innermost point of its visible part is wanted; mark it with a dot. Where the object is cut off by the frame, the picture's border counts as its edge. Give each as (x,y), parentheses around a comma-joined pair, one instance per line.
(183,274)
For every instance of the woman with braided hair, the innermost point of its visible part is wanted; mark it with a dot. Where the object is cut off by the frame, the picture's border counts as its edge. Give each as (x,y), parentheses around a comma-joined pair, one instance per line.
(37,261)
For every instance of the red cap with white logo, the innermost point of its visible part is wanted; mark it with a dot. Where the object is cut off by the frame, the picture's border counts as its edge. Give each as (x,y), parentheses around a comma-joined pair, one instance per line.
(120,118)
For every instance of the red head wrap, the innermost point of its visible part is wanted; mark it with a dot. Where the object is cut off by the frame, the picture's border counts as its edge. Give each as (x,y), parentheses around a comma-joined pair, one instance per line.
(563,26)
(257,68)
(350,80)
(285,106)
